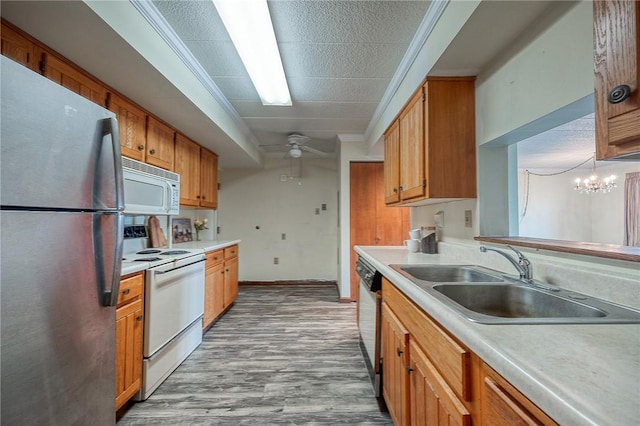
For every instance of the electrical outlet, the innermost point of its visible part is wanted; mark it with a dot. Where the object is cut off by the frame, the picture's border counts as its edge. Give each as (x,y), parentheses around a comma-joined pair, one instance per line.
(467,219)
(276,260)
(324,207)
(283,236)
(283,178)
(317,211)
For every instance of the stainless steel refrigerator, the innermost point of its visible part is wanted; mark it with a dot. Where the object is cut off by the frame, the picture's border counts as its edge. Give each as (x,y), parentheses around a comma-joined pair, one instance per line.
(60,254)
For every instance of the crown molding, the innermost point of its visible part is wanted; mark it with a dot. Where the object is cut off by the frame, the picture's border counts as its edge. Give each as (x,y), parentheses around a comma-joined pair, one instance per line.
(434,12)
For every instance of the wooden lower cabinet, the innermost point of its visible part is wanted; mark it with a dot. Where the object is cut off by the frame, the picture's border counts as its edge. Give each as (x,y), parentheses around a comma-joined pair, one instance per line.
(395,386)
(129,323)
(220,283)
(429,378)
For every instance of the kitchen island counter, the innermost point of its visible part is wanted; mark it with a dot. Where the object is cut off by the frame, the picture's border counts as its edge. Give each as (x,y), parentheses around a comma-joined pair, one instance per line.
(577,374)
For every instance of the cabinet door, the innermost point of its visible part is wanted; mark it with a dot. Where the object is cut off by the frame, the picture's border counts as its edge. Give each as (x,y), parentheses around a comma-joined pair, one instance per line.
(131,125)
(187,165)
(392,164)
(616,58)
(18,48)
(412,177)
(208,179)
(129,321)
(230,281)
(503,405)
(213,279)
(433,403)
(395,359)
(71,77)
(160,144)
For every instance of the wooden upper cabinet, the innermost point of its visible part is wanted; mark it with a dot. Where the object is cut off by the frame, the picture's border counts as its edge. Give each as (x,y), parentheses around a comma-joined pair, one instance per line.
(392,164)
(131,125)
(437,144)
(187,165)
(160,144)
(208,179)
(71,77)
(450,137)
(617,78)
(18,47)
(412,181)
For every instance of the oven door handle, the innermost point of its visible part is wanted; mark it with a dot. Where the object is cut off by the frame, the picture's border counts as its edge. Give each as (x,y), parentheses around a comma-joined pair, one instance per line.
(173,268)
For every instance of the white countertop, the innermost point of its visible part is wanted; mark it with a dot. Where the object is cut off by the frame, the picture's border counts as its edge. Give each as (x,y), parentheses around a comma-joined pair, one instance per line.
(577,374)
(206,246)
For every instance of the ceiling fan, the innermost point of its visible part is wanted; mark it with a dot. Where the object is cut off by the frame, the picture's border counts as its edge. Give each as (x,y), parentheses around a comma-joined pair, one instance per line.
(296,145)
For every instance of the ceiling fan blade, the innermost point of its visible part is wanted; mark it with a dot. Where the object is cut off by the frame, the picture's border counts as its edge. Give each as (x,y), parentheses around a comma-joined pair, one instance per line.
(314,151)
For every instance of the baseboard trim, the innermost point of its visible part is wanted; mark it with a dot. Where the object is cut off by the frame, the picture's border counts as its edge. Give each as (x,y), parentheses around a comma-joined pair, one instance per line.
(289,282)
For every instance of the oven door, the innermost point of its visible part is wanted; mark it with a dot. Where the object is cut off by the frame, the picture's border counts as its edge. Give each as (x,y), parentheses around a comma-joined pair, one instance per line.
(174,299)
(369,304)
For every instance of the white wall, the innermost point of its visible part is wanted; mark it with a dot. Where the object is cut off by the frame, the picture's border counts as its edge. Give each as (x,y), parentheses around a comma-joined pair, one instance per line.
(257,198)
(556,211)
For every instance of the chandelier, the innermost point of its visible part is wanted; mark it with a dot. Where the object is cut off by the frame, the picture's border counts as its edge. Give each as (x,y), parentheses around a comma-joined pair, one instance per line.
(594,183)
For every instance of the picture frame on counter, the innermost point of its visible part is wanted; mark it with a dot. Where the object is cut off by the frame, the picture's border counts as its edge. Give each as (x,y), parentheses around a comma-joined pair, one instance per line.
(181,230)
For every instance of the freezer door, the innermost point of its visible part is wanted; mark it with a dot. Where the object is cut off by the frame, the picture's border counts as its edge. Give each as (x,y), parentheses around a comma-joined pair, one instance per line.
(59,150)
(57,352)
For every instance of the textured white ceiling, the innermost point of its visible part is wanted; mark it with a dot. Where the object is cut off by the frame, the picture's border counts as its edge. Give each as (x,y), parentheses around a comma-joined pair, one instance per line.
(338,57)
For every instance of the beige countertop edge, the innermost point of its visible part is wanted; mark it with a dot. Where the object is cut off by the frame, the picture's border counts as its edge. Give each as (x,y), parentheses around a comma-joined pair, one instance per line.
(578,374)
(205,245)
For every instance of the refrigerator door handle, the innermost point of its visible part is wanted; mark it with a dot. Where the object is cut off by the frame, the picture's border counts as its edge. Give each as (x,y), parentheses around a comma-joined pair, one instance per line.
(110,127)
(108,295)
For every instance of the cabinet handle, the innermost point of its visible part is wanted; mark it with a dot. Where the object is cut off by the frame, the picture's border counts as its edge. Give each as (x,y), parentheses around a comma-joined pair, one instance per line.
(152,151)
(197,197)
(395,189)
(203,197)
(619,94)
(399,352)
(409,369)
(139,318)
(401,187)
(126,291)
(140,147)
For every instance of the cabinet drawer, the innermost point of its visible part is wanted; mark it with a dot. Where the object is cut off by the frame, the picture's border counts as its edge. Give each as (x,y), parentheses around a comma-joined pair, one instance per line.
(130,288)
(230,252)
(451,359)
(214,257)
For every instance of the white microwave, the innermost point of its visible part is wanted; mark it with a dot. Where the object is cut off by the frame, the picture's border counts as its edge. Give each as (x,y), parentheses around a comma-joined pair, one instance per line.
(149,190)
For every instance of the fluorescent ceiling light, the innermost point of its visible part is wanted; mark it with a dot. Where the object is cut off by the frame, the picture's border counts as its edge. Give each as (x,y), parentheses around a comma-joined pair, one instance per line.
(248,23)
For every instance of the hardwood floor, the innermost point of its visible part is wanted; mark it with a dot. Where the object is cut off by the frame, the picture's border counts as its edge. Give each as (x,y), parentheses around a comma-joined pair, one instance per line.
(283,354)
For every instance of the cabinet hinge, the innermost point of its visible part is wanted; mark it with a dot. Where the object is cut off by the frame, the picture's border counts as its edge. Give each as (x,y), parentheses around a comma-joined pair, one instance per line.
(424,183)
(107,101)
(218,186)
(217,229)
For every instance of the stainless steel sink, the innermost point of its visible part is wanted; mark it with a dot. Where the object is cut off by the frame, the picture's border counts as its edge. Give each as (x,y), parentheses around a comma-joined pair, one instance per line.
(448,273)
(489,297)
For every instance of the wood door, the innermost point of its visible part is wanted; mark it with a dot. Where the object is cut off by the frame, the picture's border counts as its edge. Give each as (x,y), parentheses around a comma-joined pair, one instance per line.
(372,222)
(432,402)
(71,77)
(395,359)
(208,179)
(392,164)
(412,178)
(160,144)
(213,302)
(131,125)
(617,63)
(128,351)
(187,165)
(218,290)
(230,281)
(18,47)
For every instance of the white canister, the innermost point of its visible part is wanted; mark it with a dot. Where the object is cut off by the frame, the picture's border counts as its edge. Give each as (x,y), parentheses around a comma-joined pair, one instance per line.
(412,245)
(415,234)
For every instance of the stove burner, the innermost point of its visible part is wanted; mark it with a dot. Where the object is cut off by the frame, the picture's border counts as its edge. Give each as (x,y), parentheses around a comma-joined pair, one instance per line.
(174,252)
(147,259)
(152,251)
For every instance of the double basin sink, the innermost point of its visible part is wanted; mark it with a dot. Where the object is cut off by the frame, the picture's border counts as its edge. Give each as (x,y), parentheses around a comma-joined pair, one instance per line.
(491,297)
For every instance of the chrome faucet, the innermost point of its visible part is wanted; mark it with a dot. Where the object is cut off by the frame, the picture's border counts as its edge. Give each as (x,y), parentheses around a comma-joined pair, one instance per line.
(523,265)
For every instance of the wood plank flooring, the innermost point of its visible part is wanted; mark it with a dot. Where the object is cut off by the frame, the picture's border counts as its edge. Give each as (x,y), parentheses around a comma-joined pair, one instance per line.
(283,355)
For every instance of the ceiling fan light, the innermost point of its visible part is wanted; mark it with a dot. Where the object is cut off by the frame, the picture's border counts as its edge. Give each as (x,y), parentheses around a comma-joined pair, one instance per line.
(295,152)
